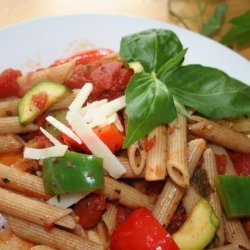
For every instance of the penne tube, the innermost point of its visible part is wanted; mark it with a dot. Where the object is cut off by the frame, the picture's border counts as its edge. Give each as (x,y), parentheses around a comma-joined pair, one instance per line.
(10,143)
(57,73)
(55,238)
(125,194)
(211,170)
(11,125)
(34,211)
(156,162)
(172,193)
(109,217)
(102,231)
(137,156)
(234,231)
(93,236)
(227,247)
(221,135)
(190,199)
(21,181)
(42,247)
(177,151)
(241,124)
(9,107)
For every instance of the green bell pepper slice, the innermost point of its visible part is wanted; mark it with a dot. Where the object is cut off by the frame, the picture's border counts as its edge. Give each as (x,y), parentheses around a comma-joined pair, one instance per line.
(74,172)
(234,193)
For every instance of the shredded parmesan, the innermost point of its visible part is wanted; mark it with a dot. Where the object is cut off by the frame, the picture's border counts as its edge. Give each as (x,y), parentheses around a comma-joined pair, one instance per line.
(64,129)
(81,97)
(66,200)
(50,137)
(96,146)
(36,154)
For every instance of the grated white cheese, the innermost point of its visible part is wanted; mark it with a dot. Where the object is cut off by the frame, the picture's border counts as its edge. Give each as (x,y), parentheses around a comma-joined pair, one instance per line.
(81,97)
(95,145)
(36,154)
(66,200)
(50,137)
(64,129)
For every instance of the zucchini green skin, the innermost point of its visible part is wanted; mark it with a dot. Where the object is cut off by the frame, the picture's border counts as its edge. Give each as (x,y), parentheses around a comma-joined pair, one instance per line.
(199,229)
(28,111)
(234,193)
(74,172)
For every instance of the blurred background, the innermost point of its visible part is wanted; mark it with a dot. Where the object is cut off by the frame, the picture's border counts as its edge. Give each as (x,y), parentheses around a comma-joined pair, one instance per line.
(191,14)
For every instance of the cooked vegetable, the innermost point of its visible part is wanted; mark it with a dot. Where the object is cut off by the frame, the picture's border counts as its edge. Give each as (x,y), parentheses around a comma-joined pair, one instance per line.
(60,115)
(199,229)
(73,172)
(109,134)
(90,209)
(234,193)
(39,98)
(141,231)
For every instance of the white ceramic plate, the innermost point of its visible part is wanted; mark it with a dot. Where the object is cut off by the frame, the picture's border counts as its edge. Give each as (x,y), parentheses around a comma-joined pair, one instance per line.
(29,45)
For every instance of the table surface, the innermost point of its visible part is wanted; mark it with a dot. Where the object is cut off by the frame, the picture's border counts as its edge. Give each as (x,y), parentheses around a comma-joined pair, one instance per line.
(13,11)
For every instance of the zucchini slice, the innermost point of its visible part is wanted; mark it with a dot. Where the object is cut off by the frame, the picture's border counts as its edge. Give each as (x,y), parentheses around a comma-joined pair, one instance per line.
(39,98)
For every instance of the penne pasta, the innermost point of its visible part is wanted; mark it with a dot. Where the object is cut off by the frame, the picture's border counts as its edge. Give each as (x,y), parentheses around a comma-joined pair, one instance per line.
(221,135)
(102,231)
(234,231)
(227,247)
(22,182)
(241,124)
(137,156)
(57,73)
(125,194)
(9,107)
(177,151)
(156,162)
(190,199)
(34,211)
(109,217)
(42,247)
(172,193)
(211,170)
(55,238)
(93,236)
(10,143)
(11,125)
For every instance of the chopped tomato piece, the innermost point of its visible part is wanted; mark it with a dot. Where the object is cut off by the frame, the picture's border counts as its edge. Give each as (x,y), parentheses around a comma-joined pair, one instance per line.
(221,162)
(241,162)
(141,231)
(85,56)
(40,100)
(8,83)
(109,134)
(109,77)
(90,209)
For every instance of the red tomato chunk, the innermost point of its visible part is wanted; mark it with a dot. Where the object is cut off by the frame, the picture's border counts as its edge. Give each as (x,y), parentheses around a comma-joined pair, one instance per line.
(8,83)
(241,163)
(141,231)
(90,210)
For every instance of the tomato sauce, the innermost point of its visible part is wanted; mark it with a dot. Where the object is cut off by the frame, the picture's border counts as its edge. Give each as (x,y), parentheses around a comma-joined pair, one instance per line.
(221,162)
(8,83)
(40,100)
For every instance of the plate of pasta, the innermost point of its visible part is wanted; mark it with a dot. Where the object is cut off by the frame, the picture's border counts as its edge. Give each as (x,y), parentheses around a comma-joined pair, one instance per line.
(119,132)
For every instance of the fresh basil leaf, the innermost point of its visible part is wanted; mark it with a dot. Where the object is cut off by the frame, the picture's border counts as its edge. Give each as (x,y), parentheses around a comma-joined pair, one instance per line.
(171,63)
(214,23)
(240,31)
(149,104)
(209,91)
(152,48)
(182,109)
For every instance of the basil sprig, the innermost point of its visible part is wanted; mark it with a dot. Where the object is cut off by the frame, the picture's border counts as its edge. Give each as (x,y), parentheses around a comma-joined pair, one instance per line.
(153,96)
